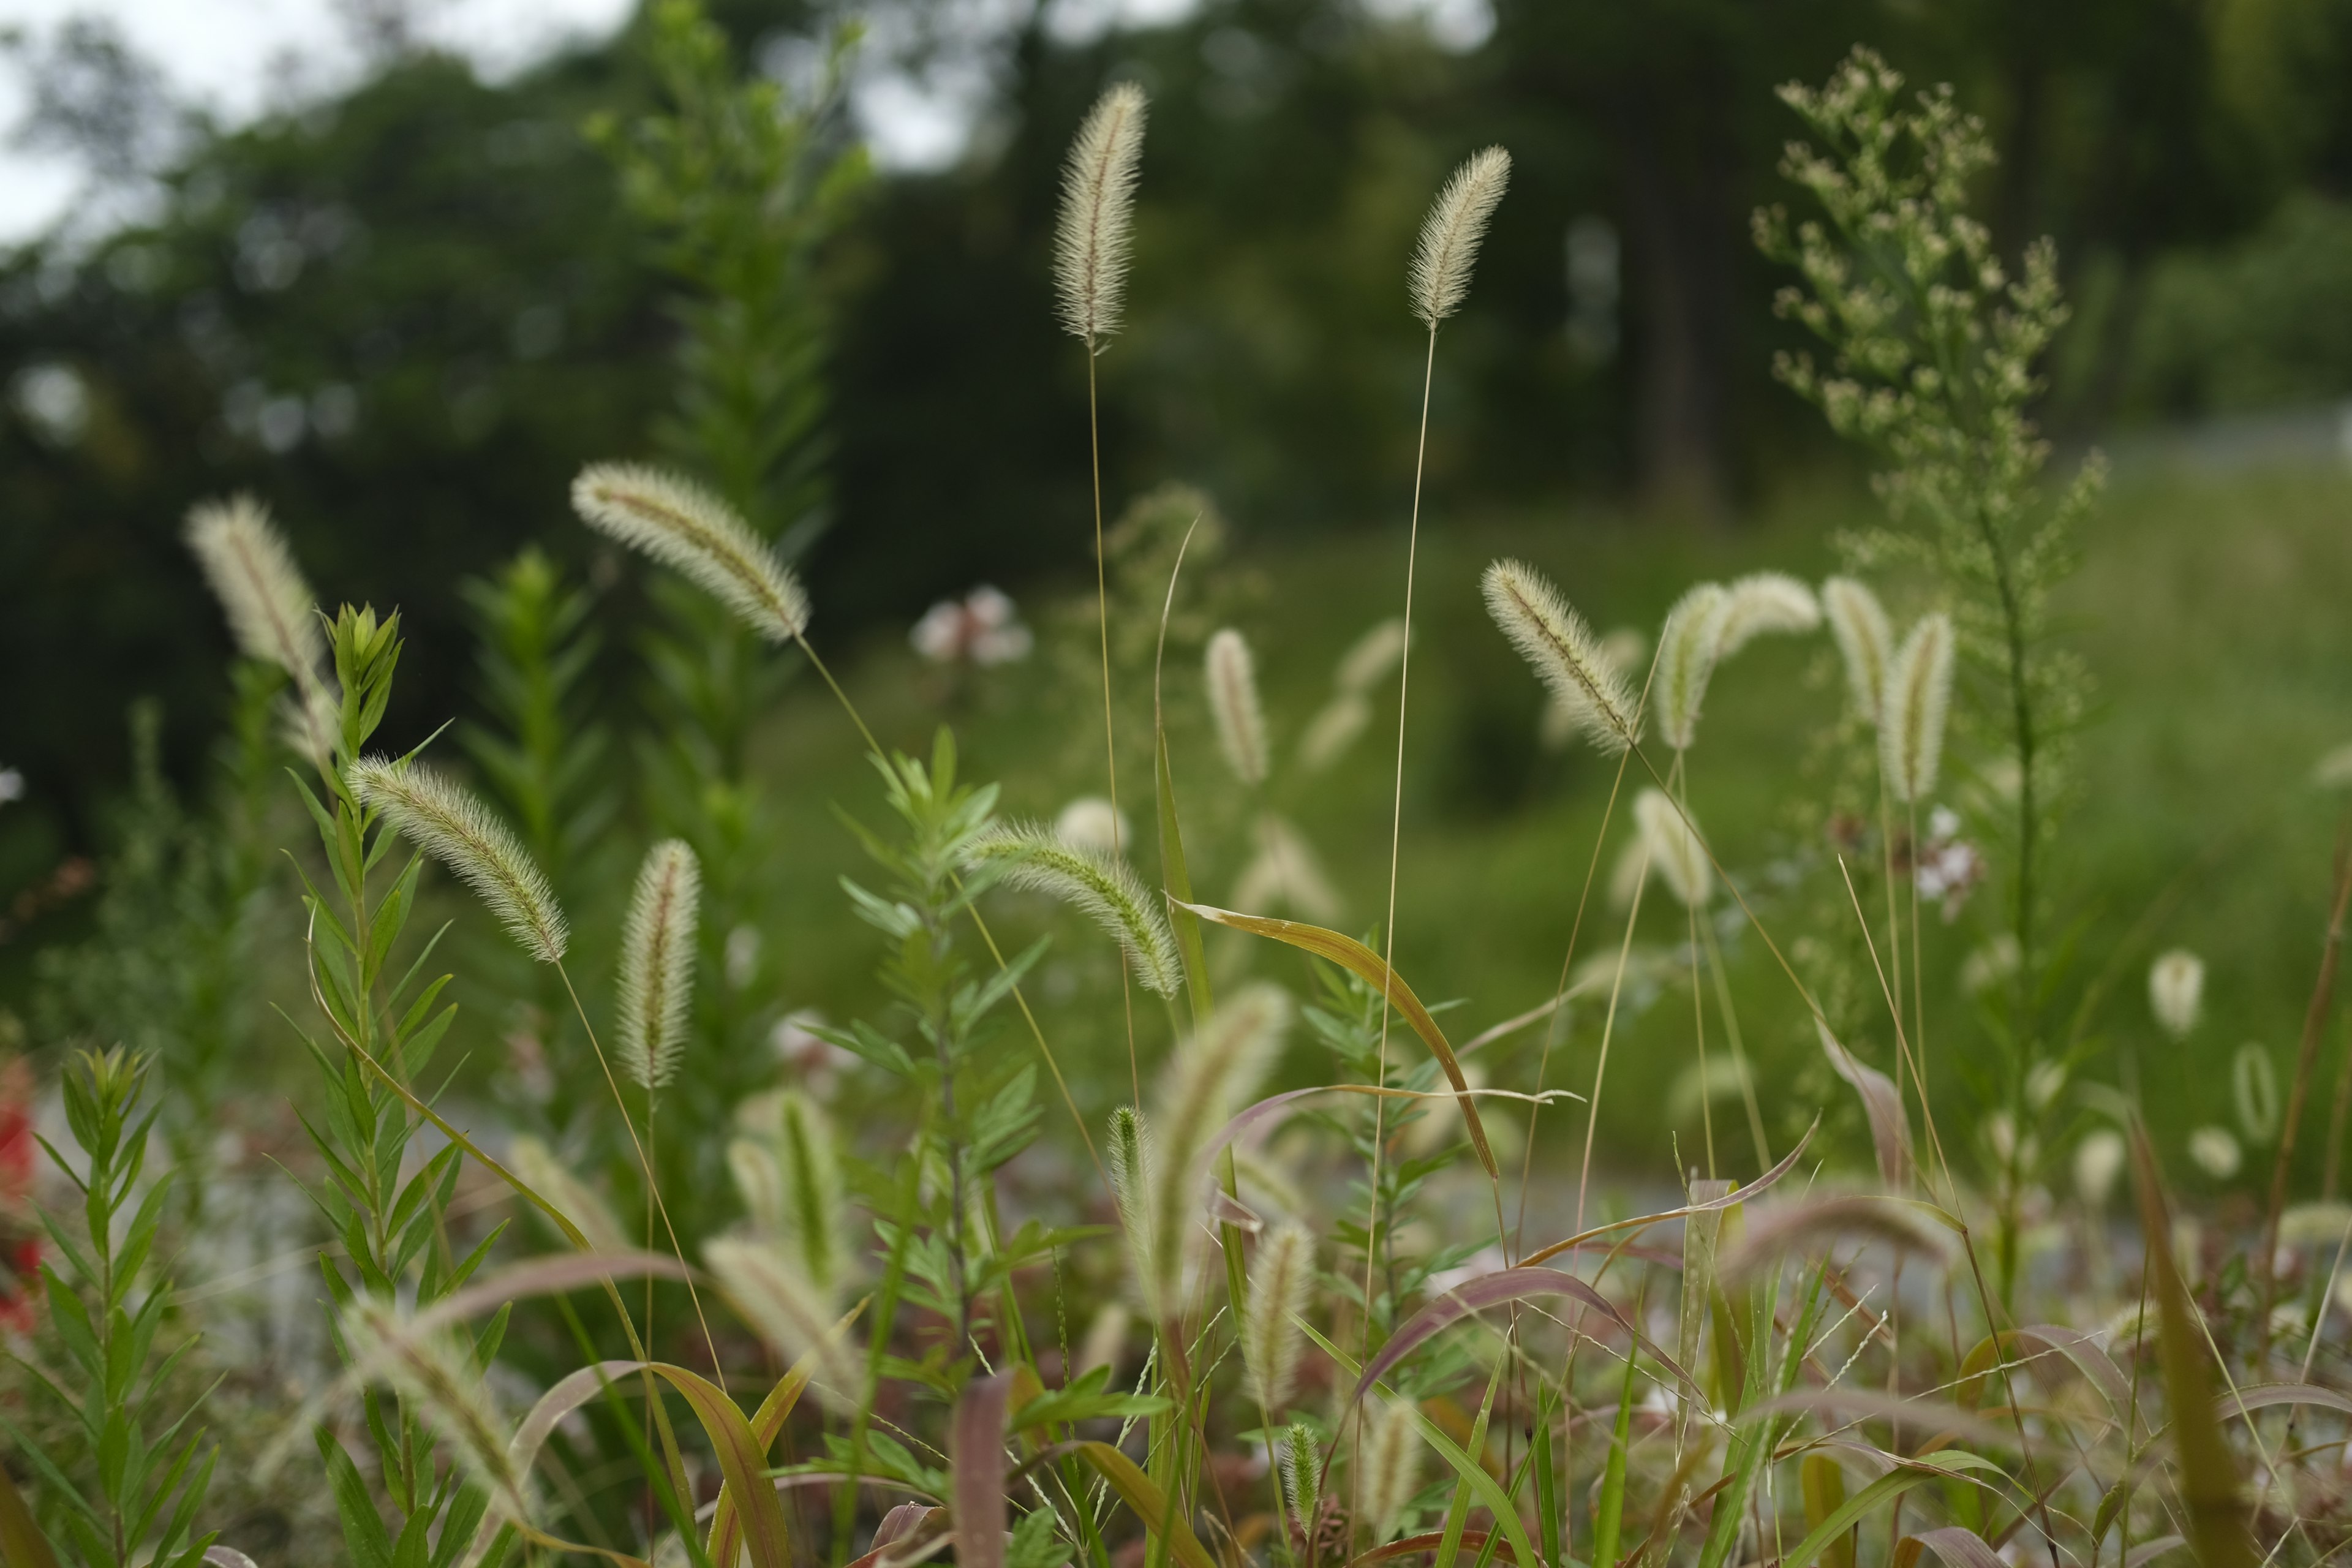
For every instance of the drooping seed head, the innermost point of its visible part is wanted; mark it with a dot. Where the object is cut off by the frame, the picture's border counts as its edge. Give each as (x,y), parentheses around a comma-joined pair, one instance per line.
(1279,1276)
(1566,656)
(1688,644)
(1676,853)
(1095,243)
(1232,676)
(1091,822)
(1440,276)
(692,532)
(438,1379)
(658,963)
(1371,656)
(1285,877)
(2176,991)
(1333,729)
(2253,1087)
(271,611)
(542,1171)
(1213,1072)
(1912,712)
(456,828)
(2098,1160)
(1099,885)
(1390,1454)
(1764,603)
(791,1312)
(1866,642)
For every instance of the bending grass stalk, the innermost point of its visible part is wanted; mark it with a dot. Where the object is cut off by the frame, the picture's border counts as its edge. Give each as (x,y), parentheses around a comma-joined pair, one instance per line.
(1722,979)
(1110,737)
(1608,1029)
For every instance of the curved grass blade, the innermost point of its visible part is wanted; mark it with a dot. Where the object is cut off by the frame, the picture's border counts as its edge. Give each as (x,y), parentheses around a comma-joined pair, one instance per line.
(1145,1500)
(767,1424)
(2038,1340)
(1912,1472)
(2264,1395)
(1895,1222)
(1731,1199)
(1960,1548)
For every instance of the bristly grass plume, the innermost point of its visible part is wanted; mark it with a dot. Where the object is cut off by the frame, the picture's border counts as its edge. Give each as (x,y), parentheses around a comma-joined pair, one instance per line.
(1096,240)
(1865,639)
(1440,279)
(272,610)
(1918,693)
(1568,659)
(1763,603)
(690,530)
(1280,1276)
(1100,885)
(658,963)
(1674,847)
(1688,646)
(1234,704)
(457,829)
(1134,1180)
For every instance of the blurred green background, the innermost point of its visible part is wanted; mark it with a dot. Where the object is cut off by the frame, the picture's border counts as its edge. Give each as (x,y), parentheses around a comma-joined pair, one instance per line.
(405,314)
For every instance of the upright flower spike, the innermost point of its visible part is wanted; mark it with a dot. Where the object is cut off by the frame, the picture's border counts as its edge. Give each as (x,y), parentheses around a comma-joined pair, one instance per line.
(692,532)
(658,963)
(1676,853)
(1440,276)
(1279,1276)
(1688,644)
(271,611)
(1098,884)
(1234,704)
(1134,1185)
(1866,642)
(1095,242)
(1215,1070)
(1568,659)
(457,829)
(1763,603)
(1919,691)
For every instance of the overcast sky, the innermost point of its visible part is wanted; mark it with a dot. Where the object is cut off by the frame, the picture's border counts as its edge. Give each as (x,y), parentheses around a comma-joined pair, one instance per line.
(232,56)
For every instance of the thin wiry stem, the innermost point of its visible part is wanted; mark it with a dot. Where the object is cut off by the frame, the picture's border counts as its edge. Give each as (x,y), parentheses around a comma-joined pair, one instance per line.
(1110,734)
(1608,1028)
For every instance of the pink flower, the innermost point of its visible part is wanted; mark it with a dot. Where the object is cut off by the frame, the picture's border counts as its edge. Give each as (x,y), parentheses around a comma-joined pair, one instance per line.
(982,628)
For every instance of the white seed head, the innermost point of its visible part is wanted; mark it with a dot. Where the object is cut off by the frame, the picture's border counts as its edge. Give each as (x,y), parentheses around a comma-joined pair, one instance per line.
(1106,1339)
(1091,822)
(552,1179)
(2176,991)
(2098,1160)
(790,1310)
(1866,642)
(1279,1276)
(658,963)
(438,1378)
(1391,1461)
(1688,644)
(1216,1071)
(1566,656)
(457,829)
(1285,877)
(1135,1183)
(1676,853)
(1440,276)
(692,532)
(271,611)
(1232,676)
(1369,659)
(1300,1472)
(1099,885)
(2215,1152)
(1096,240)
(1912,711)
(2334,771)
(1333,729)
(2254,1090)
(1767,601)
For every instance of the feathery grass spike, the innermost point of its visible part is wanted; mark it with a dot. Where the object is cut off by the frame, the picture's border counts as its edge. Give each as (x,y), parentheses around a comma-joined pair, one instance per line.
(1100,885)
(1371,656)
(688,529)
(1763,603)
(1866,642)
(1278,1280)
(438,1378)
(1567,656)
(1688,646)
(1092,249)
(1439,277)
(658,963)
(545,1173)
(1391,1461)
(1134,1185)
(788,1310)
(1233,702)
(1919,691)
(460,832)
(1217,1071)
(270,609)
(2176,991)
(1299,1476)
(1676,856)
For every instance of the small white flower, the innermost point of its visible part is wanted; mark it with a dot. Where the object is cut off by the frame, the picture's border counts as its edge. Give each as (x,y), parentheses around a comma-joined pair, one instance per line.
(2215,1151)
(2176,991)
(982,628)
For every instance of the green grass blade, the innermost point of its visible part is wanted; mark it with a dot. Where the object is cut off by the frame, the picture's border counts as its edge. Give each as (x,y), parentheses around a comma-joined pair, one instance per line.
(1609,1515)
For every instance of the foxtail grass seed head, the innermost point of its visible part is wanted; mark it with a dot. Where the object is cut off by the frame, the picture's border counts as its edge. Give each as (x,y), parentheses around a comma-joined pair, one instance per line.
(1566,656)
(1391,1461)
(2215,1152)
(789,1310)
(1333,729)
(1371,656)
(438,1378)
(271,611)
(1232,676)
(1105,1340)
(1918,693)
(807,1153)
(689,530)
(1688,644)
(1134,1184)
(1866,641)
(2334,771)
(658,963)
(1278,1280)
(1099,885)
(1217,1069)
(1285,877)
(1091,822)
(2176,991)
(1301,1471)
(1450,235)
(2098,1160)
(1096,241)
(1766,602)
(457,829)
(2255,1093)
(1678,857)
(545,1173)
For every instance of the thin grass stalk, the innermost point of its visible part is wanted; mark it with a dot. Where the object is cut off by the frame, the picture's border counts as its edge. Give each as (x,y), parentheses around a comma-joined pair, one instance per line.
(1608,1030)
(2315,1023)
(1722,979)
